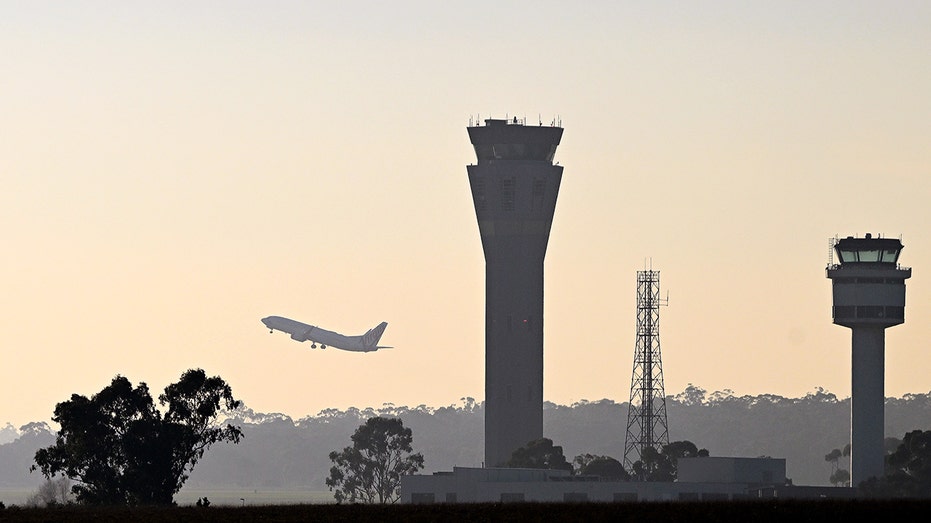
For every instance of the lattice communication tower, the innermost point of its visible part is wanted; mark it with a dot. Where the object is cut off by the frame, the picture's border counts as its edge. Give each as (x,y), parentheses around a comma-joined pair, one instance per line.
(646,416)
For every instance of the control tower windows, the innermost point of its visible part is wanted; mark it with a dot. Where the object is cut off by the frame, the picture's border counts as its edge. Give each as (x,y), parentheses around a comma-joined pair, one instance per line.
(479,194)
(868,250)
(507,194)
(537,192)
(541,152)
(869,256)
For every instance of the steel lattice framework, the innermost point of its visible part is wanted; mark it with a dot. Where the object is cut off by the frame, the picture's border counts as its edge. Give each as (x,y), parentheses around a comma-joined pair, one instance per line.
(646,416)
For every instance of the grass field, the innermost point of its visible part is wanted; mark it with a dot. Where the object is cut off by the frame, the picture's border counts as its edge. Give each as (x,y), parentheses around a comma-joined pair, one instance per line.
(254,497)
(691,512)
(218,498)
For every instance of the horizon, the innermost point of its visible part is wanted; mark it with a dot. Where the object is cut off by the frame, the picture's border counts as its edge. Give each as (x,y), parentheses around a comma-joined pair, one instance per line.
(709,394)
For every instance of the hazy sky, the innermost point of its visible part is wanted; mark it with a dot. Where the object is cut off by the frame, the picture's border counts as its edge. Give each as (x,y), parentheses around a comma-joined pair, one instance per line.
(174,171)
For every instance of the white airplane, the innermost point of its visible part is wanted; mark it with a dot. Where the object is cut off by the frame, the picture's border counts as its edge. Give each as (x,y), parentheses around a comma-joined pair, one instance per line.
(367,342)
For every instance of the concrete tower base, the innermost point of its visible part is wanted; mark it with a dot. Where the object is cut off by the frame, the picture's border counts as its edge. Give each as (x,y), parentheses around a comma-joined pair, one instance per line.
(867,402)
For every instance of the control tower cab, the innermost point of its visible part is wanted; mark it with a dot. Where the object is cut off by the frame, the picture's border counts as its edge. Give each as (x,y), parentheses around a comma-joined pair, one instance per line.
(869,296)
(868,284)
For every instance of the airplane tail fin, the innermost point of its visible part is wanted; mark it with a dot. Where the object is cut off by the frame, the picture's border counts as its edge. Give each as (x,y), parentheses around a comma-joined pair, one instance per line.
(370,338)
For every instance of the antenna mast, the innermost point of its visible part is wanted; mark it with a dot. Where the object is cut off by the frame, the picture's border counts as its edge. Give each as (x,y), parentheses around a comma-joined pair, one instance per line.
(646,416)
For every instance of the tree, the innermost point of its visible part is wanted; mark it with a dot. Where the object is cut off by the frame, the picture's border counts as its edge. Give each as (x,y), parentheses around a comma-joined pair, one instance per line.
(539,454)
(663,465)
(580,462)
(51,493)
(370,470)
(652,466)
(908,470)
(120,449)
(839,476)
(602,466)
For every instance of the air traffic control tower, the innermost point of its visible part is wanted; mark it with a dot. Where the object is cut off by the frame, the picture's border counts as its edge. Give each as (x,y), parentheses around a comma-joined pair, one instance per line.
(869,296)
(514,189)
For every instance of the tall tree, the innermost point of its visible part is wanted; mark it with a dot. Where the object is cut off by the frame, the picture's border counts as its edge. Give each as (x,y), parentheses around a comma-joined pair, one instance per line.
(539,454)
(120,449)
(370,470)
(839,476)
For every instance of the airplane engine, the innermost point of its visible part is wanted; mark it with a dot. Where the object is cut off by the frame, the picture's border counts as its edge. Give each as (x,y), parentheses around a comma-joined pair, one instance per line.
(298,337)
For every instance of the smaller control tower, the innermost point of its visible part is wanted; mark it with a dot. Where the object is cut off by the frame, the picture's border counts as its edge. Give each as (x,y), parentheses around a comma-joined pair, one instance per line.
(869,296)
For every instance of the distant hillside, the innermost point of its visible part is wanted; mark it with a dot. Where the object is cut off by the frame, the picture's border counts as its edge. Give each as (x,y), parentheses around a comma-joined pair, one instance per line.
(17,456)
(280,452)
(801,430)
(8,433)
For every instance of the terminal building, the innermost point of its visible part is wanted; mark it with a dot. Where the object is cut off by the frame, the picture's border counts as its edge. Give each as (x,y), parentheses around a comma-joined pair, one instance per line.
(699,479)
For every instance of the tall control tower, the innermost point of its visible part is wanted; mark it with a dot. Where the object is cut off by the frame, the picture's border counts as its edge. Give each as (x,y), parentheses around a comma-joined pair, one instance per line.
(514,189)
(869,296)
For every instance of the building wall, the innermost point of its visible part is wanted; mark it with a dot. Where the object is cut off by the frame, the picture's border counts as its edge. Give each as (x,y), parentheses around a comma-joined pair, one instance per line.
(765,471)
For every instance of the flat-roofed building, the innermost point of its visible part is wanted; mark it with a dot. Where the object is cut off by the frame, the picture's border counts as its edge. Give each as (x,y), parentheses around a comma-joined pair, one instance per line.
(700,479)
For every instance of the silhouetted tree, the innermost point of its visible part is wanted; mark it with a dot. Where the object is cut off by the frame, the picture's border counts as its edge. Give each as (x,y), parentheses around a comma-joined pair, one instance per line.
(652,466)
(890,445)
(539,454)
(120,449)
(370,470)
(839,476)
(51,493)
(602,466)
(692,395)
(664,464)
(581,461)
(908,470)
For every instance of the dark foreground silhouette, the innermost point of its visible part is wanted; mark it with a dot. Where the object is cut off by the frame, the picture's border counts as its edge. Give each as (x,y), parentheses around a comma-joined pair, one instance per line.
(751,511)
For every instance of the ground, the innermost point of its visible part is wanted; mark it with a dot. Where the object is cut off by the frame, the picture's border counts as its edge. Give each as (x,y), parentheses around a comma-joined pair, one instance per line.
(758,512)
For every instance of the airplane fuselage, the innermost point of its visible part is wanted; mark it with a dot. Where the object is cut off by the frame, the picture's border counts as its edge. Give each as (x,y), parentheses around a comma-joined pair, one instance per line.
(299,331)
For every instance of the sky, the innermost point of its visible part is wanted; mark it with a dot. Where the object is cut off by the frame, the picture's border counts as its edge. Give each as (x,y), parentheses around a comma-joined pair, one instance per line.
(173,171)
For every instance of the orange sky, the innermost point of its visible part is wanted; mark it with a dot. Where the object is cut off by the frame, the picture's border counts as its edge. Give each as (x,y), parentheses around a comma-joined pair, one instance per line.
(172,173)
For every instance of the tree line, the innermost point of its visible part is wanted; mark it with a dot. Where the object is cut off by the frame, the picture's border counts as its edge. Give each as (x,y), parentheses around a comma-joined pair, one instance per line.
(275,451)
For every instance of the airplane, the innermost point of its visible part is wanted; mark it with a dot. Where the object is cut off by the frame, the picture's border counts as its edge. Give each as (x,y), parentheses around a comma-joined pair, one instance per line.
(367,342)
